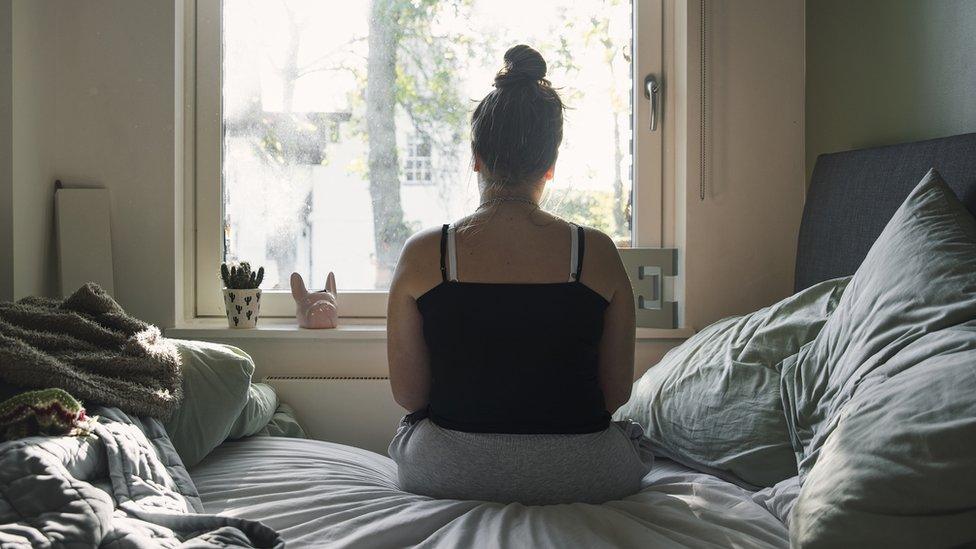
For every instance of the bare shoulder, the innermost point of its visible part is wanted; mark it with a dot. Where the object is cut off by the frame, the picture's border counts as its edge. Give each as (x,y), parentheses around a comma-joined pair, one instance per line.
(600,246)
(602,269)
(418,268)
(599,240)
(421,244)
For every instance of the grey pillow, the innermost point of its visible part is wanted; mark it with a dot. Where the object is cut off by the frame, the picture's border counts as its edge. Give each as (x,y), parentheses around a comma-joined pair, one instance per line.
(216,383)
(881,404)
(919,277)
(899,468)
(714,402)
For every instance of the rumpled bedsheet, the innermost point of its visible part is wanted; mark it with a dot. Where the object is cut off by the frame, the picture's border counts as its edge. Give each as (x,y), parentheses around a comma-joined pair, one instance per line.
(321,494)
(124,487)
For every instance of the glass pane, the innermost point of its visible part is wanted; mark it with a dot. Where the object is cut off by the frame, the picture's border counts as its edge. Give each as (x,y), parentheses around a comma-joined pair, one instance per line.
(345,133)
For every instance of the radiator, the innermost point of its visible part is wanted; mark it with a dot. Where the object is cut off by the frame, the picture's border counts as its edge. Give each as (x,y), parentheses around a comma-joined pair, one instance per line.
(358,411)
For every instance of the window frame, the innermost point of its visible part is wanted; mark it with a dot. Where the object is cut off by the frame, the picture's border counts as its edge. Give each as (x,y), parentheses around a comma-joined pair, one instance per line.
(203,156)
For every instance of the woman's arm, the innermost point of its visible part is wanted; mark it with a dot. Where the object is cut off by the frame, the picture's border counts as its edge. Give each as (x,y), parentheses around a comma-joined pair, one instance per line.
(617,345)
(405,346)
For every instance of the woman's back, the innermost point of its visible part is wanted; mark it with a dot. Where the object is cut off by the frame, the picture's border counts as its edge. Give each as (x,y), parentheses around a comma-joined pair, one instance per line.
(517,352)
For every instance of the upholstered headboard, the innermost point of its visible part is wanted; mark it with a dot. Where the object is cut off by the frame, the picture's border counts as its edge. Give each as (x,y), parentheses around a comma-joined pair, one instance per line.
(853,194)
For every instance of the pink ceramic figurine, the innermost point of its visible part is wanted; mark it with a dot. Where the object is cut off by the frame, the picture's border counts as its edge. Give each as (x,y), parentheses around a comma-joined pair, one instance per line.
(315,309)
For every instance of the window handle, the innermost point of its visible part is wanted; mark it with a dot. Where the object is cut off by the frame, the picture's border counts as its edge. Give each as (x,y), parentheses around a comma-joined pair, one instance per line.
(651,90)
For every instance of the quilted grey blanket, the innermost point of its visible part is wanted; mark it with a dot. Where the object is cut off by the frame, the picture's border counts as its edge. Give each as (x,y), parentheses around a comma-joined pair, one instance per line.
(124,488)
(88,346)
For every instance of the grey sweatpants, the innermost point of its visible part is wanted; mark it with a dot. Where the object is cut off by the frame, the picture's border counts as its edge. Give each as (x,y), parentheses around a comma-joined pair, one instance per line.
(540,469)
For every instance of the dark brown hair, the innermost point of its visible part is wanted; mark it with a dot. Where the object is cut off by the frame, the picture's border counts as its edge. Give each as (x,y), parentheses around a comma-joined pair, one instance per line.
(517,128)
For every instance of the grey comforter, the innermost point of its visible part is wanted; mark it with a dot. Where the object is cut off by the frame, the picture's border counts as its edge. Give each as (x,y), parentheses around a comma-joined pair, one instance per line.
(125,487)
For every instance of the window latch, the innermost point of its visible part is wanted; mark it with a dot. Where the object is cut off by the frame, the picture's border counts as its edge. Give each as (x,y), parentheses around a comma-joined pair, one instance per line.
(651,90)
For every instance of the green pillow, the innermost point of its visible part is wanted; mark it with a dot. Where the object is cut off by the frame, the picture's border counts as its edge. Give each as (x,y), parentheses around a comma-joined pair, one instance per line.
(881,404)
(284,423)
(262,402)
(216,383)
(714,402)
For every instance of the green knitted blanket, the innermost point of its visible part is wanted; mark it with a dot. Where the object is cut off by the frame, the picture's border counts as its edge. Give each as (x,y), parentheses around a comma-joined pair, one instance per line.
(44,412)
(87,345)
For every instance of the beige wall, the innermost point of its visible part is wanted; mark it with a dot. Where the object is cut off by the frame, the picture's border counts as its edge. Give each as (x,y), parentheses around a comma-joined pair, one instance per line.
(33,100)
(739,244)
(27,67)
(6,154)
(116,102)
(94,102)
(888,71)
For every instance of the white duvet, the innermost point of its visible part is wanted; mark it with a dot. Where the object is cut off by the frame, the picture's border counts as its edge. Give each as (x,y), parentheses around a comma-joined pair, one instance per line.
(319,494)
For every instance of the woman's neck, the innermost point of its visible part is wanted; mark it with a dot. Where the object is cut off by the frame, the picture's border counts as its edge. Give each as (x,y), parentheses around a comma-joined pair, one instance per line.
(522,193)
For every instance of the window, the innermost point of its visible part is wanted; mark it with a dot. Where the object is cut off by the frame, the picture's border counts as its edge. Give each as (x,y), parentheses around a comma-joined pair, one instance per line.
(417,166)
(327,134)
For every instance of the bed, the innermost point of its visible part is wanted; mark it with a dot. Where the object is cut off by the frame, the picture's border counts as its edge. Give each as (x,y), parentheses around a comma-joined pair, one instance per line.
(330,495)
(322,494)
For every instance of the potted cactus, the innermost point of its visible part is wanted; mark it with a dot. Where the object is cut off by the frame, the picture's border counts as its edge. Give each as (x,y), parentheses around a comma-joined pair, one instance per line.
(242,294)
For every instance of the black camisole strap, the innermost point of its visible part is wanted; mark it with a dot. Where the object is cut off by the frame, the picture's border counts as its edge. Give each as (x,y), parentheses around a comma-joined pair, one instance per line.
(580,245)
(444,252)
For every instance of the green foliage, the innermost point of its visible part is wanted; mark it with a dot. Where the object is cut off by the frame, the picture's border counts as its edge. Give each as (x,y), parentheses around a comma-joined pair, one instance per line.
(591,208)
(241,277)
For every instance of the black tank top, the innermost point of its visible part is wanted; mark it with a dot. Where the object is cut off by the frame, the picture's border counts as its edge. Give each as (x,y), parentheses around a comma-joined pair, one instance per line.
(514,358)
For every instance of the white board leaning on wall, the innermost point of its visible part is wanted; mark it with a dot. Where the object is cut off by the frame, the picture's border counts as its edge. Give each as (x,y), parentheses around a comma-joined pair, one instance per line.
(84,238)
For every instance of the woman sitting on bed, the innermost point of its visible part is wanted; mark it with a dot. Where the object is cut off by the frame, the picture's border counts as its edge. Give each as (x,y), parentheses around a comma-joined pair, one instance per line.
(511,331)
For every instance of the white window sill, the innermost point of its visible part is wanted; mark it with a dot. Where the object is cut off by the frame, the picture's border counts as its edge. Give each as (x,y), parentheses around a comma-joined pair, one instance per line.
(349,329)
(278,328)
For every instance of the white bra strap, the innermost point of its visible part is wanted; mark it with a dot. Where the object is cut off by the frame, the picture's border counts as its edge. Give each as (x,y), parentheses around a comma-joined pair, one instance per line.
(574,251)
(451,254)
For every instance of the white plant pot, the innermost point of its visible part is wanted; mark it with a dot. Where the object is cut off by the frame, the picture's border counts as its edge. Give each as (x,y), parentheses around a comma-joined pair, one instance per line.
(243,307)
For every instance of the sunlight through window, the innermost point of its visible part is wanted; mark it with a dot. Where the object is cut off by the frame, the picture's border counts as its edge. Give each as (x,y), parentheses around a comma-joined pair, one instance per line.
(346,129)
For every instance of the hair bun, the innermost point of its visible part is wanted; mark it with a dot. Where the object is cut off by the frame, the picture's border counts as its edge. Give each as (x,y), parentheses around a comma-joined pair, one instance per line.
(522,65)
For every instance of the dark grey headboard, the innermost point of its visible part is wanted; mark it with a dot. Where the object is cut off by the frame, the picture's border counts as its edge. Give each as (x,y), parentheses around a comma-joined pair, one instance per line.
(853,194)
